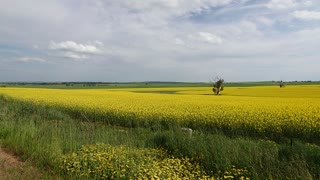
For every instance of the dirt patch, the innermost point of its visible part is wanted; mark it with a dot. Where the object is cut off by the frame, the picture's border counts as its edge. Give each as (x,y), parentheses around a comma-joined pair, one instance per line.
(9,159)
(12,168)
(9,164)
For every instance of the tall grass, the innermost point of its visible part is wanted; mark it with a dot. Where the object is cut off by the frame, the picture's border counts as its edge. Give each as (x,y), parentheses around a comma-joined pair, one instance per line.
(43,135)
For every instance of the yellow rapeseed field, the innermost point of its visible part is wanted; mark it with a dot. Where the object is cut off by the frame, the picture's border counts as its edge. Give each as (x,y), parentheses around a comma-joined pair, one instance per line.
(293,111)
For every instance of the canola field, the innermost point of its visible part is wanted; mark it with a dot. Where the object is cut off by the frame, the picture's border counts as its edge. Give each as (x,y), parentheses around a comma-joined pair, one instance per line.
(269,111)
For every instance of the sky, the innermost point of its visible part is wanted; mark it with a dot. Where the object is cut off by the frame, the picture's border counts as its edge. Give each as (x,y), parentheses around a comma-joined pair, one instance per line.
(159,40)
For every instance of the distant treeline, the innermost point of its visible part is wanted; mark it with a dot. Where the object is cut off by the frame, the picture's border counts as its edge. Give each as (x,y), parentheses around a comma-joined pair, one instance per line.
(148,84)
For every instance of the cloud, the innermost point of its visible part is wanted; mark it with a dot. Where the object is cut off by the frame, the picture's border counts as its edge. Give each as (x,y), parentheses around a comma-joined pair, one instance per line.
(99,43)
(75,47)
(249,27)
(287,4)
(244,29)
(306,15)
(177,7)
(206,37)
(54,10)
(76,51)
(146,38)
(308,3)
(265,21)
(281,4)
(74,56)
(31,59)
(179,41)
(154,13)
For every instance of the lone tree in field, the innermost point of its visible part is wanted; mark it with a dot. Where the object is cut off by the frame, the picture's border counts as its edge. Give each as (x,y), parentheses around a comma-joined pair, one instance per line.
(281,84)
(218,85)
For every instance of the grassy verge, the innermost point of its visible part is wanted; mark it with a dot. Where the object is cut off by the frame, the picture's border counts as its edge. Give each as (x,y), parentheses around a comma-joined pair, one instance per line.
(45,135)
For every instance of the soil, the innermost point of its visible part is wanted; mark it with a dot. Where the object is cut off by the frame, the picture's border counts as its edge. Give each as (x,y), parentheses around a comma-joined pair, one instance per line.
(11,167)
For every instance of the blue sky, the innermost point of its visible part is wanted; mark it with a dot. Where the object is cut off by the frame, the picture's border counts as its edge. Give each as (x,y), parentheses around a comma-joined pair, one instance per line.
(159,40)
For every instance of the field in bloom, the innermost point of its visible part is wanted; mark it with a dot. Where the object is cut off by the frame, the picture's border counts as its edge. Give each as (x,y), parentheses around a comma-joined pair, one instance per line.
(103,161)
(108,162)
(293,111)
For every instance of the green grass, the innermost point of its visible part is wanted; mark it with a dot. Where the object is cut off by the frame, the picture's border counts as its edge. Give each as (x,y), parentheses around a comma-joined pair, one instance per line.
(42,135)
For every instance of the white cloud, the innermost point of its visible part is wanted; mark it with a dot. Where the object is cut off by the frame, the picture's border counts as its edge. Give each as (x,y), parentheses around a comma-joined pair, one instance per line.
(244,29)
(31,59)
(206,37)
(178,41)
(99,43)
(249,27)
(286,4)
(308,3)
(53,10)
(306,15)
(173,34)
(281,4)
(178,7)
(74,56)
(264,20)
(76,51)
(75,47)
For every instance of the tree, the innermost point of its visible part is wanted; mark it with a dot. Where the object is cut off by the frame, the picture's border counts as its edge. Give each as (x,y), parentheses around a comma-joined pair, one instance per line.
(218,85)
(281,84)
